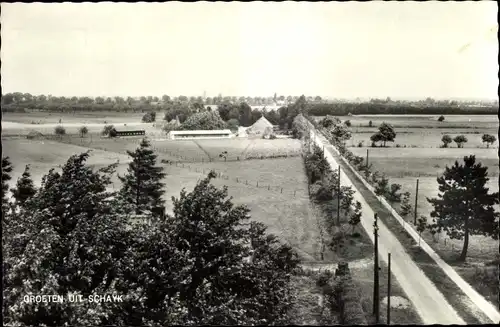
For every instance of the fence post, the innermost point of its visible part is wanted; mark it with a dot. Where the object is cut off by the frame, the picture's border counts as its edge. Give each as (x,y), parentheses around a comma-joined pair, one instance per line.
(294,192)
(268,187)
(281,190)
(257,183)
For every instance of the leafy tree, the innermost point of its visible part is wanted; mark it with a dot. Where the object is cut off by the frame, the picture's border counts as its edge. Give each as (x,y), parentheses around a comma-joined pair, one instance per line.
(355,216)
(382,186)
(460,140)
(207,120)
(6,170)
(375,138)
(464,206)
(441,118)
(346,198)
(406,207)
(385,134)
(107,129)
(340,133)
(233,124)
(316,164)
(347,123)
(393,194)
(67,240)
(421,226)
(83,131)
(149,117)
(142,186)
(165,98)
(446,139)
(224,287)
(59,130)
(25,188)
(370,124)
(329,121)
(488,139)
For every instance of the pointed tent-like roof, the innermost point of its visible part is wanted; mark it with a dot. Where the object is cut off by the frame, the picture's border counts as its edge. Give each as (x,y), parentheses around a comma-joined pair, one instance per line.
(259,127)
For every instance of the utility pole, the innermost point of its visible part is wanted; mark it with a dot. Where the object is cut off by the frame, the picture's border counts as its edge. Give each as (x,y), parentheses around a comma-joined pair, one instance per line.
(389,290)
(338,198)
(416,199)
(376,294)
(366,157)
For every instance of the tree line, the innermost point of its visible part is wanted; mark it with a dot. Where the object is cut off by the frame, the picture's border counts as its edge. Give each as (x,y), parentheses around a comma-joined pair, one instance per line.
(18,101)
(204,264)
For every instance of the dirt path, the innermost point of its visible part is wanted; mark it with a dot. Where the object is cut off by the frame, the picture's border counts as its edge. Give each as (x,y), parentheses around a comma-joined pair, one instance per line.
(429,303)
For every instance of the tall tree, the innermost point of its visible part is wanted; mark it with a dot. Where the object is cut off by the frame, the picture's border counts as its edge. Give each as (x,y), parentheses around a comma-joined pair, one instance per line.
(25,188)
(142,184)
(385,134)
(464,205)
(488,139)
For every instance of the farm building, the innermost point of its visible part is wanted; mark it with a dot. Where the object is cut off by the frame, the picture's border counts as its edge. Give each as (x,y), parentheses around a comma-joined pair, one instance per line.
(259,127)
(200,134)
(131,132)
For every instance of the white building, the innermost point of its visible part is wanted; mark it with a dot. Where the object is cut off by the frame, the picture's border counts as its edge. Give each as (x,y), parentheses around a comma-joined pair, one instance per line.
(200,134)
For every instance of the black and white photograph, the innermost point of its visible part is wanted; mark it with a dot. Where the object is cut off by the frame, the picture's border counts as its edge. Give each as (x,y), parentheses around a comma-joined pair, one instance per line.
(250,163)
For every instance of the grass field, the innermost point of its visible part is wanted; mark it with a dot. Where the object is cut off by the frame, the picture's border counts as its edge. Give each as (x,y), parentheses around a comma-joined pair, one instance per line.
(88,117)
(280,199)
(423,138)
(424,121)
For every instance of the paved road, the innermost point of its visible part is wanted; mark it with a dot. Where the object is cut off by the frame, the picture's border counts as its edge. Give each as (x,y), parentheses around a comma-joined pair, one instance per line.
(429,303)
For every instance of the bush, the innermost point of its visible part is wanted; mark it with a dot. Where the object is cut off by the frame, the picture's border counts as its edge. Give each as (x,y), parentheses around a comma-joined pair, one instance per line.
(107,129)
(360,144)
(347,123)
(441,118)
(59,130)
(323,279)
(370,124)
(149,117)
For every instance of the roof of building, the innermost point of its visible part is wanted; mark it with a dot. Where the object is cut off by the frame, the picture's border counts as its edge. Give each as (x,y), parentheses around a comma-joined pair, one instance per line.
(260,126)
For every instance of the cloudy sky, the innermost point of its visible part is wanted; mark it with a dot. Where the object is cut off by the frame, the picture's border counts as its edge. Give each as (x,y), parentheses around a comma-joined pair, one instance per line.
(352,49)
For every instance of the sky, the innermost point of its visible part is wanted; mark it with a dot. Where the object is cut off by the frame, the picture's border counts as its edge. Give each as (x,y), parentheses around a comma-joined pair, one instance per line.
(332,49)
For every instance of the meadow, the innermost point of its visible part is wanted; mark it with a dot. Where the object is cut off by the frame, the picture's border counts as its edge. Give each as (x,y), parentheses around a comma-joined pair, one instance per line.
(275,190)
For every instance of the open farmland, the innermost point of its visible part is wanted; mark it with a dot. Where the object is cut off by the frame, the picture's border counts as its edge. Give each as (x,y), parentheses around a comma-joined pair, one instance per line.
(84,117)
(275,189)
(423,131)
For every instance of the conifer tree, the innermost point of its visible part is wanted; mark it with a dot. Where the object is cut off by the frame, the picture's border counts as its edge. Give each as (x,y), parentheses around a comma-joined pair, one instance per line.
(142,187)
(464,205)
(25,188)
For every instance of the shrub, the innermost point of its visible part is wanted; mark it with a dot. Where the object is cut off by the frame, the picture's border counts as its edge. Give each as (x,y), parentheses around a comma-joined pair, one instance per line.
(324,278)
(107,129)
(382,186)
(59,130)
(370,124)
(360,144)
(441,118)
(149,117)
(347,123)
